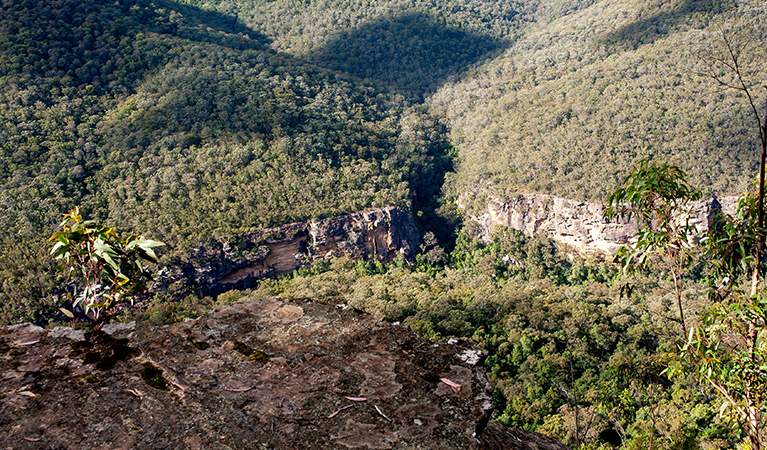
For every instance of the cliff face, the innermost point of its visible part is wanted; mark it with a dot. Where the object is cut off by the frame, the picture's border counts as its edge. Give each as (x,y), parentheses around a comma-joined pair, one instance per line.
(265,373)
(580,225)
(380,234)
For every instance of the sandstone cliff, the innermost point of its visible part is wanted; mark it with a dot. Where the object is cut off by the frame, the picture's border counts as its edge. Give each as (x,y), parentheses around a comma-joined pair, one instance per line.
(260,374)
(380,234)
(579,225)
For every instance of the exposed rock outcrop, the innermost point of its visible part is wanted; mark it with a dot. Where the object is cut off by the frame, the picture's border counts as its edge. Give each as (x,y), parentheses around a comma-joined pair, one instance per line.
(579,225)
(380,234)
(266,373)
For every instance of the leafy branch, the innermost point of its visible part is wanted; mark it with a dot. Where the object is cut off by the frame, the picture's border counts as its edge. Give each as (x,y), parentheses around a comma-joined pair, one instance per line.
(108,268)
(658,196)
(725,67)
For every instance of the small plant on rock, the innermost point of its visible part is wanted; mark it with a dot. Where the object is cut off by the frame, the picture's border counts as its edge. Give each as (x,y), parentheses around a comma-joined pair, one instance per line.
(108,269)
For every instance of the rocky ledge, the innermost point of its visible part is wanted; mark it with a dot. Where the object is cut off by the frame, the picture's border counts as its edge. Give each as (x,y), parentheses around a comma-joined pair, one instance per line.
(579,225)
(380,234)
(260,374)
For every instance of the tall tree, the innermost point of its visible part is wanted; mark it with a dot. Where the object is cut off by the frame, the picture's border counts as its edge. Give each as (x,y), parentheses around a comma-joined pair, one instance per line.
(728,349)
(658,197)
(725,66)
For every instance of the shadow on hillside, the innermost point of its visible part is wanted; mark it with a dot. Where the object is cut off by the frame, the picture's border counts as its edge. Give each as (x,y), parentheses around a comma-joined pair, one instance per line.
(92,42)
(105,48)
(206,21)
(411,53)
(657,26)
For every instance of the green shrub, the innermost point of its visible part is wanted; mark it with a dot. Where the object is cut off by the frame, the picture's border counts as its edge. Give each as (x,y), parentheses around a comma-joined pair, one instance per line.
(108,269)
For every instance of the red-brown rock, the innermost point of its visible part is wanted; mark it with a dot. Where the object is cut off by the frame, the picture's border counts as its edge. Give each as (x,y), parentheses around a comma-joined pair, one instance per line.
(271,374)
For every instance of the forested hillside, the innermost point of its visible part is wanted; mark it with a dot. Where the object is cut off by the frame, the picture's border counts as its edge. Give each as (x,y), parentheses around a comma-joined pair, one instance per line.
(576,101)
(156,119)
(181,124)
(194,121)
(560,97)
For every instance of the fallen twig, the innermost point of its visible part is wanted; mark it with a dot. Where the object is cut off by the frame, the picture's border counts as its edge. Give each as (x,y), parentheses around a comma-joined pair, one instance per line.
(137,393)
(336,413)
(382,414)
(453,385)
(239,389)
(183,389)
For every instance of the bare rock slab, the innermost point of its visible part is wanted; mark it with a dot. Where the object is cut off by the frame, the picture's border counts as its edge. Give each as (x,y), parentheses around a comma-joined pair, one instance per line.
(261,374)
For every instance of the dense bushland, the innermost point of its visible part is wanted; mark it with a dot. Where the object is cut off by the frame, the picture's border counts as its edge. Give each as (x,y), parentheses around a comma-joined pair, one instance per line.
(573,103)
(190,121)
(550,97)
(181,124)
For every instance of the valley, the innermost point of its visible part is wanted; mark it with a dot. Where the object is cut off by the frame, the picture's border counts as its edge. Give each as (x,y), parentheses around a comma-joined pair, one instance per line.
(441,164)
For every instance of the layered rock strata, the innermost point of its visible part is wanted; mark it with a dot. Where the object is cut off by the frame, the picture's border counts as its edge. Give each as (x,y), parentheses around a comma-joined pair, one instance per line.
(263,373)
(380,234)
(579,225)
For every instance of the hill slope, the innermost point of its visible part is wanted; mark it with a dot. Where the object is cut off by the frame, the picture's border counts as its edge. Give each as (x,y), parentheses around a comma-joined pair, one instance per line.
(574,102)
(164,121)
(198,120)
(554,97)
(181,124)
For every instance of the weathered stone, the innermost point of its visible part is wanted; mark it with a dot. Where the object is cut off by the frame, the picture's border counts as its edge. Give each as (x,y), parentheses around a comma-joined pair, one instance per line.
(381,234)
(498,437)
(579,225)
(156,387)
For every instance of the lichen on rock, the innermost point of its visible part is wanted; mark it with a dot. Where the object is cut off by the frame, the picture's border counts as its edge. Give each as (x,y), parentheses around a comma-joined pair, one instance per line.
(153,376)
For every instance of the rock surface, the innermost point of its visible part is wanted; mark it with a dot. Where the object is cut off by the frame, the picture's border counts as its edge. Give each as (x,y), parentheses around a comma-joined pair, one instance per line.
(579,225)
(260,374)
(380,234)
